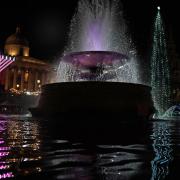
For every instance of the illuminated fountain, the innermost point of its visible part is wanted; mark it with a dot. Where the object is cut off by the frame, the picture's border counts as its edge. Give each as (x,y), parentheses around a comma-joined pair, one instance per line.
(98,71)
(99,41)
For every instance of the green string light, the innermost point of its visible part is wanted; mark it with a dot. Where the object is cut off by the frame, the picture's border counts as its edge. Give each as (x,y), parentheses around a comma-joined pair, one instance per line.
(160,75)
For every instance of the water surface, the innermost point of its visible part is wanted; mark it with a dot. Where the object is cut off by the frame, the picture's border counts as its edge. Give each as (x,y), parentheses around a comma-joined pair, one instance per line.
(32,149)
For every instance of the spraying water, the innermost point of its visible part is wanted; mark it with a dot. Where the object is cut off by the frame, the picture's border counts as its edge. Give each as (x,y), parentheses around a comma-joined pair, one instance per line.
(160,75)
(98,25)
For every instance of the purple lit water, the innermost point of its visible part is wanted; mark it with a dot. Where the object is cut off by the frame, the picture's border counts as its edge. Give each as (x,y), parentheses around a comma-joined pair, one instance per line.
(99,25)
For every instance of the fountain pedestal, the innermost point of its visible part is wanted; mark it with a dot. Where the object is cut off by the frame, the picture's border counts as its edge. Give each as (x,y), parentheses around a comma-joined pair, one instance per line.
(124,99)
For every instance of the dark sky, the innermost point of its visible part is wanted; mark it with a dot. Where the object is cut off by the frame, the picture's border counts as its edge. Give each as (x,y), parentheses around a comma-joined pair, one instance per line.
(46,23)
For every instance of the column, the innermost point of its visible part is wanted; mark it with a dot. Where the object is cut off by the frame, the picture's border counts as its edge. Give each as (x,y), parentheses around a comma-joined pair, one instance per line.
(14,78)
(36,78)
(22,79)
(29,88)
(7,79)
(43,78)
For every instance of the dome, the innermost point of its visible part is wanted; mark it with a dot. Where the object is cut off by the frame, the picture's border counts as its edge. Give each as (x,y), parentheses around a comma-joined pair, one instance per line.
(17,38)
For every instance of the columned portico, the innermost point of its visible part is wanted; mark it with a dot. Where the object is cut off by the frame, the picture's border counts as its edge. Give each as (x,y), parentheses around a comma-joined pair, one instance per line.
(25,73)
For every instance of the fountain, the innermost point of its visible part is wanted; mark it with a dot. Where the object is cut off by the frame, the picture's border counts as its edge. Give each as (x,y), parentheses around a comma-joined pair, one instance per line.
(98,72)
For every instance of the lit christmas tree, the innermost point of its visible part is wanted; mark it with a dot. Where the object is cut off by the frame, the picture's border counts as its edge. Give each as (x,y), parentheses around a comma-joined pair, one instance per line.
(160,74)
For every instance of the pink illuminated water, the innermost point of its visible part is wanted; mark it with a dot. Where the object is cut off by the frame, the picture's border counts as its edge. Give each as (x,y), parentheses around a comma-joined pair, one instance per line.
(98,25)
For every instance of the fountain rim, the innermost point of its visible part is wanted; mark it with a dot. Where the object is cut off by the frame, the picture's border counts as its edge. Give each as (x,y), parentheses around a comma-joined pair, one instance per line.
(94,52)
(111,83)
(79,53)
(95,56)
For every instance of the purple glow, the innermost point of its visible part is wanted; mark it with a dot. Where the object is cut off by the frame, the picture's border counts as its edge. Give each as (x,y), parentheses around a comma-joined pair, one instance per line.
(99,25)
(3,167)
(105,52)
(2,154)
(95,65)
(4,148)
(6,175)
(88,59)
(95,37)
(1,141)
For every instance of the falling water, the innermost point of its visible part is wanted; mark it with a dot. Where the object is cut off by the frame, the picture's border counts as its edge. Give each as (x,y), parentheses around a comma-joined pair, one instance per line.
(160,76)
(99,25)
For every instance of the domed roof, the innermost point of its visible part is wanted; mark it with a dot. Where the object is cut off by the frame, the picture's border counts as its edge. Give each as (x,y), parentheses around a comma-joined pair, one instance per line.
(17,38)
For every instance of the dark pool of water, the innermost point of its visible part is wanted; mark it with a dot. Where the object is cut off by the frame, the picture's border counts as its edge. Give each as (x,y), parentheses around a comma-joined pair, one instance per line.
(35,149)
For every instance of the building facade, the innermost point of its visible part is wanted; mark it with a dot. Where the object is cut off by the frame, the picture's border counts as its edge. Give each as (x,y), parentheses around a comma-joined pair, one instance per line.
(25,73)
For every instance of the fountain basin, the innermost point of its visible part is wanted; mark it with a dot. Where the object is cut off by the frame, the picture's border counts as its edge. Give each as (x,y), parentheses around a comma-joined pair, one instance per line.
(70,98)
(90,59)
(95,65)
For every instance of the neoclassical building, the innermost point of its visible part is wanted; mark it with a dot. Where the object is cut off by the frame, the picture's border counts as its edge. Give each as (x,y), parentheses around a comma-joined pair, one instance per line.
(25,73)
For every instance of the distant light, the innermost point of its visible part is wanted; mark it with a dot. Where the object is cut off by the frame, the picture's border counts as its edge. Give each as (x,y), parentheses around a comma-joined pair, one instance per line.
(17,85)
(158,7)
(28,93)
(38,81)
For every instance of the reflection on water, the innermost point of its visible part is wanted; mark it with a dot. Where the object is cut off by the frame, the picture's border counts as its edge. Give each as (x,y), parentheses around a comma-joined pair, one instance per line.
(163,150)
(19,147)
(28,151)
(120,162)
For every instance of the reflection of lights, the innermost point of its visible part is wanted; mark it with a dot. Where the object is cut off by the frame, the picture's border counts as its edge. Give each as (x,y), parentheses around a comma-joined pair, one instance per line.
(1,142)
(3,167)
(2,154)
(24,137)
(38,169)
(13,160)
(162,150)
(4,148)
(6,175)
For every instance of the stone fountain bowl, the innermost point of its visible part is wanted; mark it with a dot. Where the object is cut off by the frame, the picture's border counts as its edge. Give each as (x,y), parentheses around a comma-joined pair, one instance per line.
(95,98)
(90,59)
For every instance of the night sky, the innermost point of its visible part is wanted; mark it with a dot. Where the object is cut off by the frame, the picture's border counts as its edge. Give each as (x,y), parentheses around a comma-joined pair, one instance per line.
(46,23)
